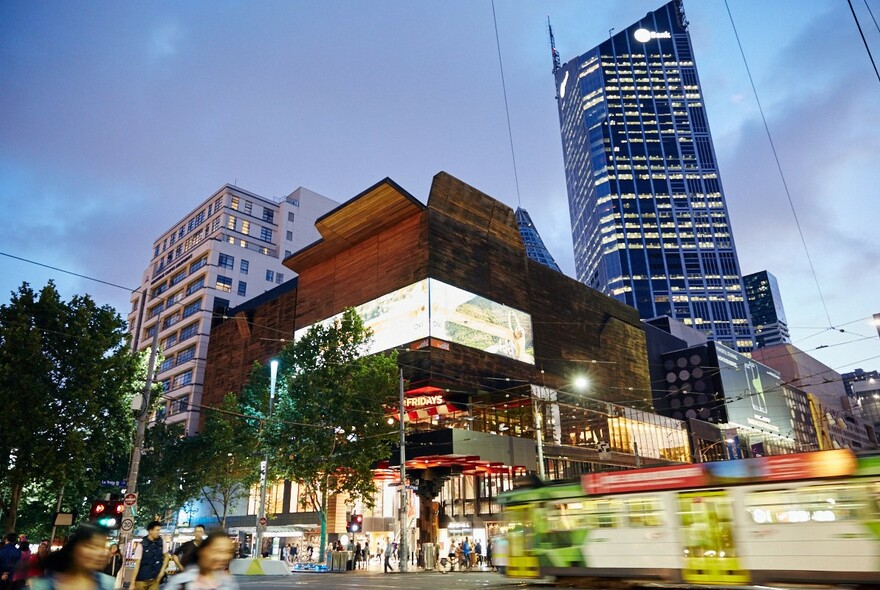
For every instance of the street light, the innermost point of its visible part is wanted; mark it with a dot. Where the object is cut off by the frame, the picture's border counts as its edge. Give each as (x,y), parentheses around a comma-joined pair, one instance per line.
(404,556)
(264,464)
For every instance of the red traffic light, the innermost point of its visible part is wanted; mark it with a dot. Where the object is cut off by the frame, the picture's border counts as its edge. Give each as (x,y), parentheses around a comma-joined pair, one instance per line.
(358,518)
(98,508)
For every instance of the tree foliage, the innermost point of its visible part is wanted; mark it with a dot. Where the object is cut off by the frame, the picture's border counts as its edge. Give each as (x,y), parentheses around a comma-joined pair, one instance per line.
(169,472)
(67,376)
(229,457)
(328,428)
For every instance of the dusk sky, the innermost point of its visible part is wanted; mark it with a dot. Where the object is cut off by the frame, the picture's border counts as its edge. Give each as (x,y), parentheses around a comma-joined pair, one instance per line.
(119,117)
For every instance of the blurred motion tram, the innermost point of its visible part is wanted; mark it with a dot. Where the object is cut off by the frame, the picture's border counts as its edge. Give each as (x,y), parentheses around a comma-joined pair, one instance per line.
(802,518)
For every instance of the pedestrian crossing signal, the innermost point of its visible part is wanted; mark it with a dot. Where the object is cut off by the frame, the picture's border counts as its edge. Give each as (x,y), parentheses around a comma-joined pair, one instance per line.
(356,524)
(107,513)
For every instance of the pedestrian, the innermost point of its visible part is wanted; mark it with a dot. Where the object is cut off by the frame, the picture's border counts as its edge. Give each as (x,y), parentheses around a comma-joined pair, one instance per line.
(37,566)
(208,569)
(489,555)
(114,561)
(388,551)
(9,558)
(466,553)
(78,563)
(20,575)
(152,557)
(186,553)
(478,551)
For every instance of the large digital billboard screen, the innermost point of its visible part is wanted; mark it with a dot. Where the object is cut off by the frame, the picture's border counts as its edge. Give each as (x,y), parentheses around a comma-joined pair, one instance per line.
(754,393)
(432,308)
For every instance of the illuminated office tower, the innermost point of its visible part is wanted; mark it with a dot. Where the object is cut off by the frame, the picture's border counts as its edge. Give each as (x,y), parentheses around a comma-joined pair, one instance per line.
(649,221)
(535,248)
(765,307)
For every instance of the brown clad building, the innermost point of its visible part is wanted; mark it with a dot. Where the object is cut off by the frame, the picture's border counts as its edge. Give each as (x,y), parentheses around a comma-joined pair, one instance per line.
(488,337)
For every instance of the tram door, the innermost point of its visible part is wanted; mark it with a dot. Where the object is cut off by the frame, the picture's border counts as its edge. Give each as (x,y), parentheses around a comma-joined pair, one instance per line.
(521,560)
(708,535)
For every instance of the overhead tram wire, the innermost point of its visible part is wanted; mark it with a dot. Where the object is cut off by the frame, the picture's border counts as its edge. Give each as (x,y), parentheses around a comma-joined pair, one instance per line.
(778,163)
(871,12)
(506,107)
(862,34)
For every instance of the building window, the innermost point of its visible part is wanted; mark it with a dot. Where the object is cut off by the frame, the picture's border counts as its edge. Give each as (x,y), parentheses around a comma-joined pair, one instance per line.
(192,308)
(248,207)
(268,215)
(234,203)
(289,236)
(215,225)
(184,378)
(265,234)
(279,277)
(242,289)
(155,251)
(195,286)
(178,277)
(155,311)
(290,216)
(287,253)
(230,223)
(186,355)
(264,250)
(270,275)
(170,341)
(189,331)
(226,261)
(224,284)
(151,331)
(166,364)
(245,227)
(181,232)
(198,264)
(170,321)
(244,266)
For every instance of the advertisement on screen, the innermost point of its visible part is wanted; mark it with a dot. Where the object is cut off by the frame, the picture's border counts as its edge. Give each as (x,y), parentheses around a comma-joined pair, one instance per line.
(753,393)
(433,309)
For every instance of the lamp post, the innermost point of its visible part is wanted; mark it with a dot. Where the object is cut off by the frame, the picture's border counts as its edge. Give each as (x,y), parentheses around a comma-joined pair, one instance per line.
(402,550)
(264,464)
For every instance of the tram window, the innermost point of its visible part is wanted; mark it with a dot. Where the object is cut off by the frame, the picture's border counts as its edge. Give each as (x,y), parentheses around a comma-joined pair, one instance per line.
(644,512)
(832,503)
(603,514)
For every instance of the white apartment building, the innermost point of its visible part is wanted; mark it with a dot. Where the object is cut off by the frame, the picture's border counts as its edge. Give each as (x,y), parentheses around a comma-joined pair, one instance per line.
(225,251)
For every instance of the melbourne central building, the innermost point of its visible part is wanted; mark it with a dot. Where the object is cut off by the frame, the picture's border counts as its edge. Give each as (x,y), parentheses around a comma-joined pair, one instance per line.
(649,220)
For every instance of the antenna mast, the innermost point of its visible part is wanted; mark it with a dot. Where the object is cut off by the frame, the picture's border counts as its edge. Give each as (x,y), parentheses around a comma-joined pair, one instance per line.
(556,63)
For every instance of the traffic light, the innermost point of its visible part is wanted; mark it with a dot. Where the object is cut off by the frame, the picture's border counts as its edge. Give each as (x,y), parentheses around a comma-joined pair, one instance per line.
(356,524)
(107,513)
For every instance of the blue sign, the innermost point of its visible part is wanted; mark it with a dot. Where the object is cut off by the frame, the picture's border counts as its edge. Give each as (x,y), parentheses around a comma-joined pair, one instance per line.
(114,483)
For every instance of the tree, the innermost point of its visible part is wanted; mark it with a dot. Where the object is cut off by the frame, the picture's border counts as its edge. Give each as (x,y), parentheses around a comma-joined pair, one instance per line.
(329,428)
(67,376)
(169,472)
(229,457)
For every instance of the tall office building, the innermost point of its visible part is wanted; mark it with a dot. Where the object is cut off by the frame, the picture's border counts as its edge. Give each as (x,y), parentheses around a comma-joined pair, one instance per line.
(765,307)
(535,248)
(648,216)
(222,253)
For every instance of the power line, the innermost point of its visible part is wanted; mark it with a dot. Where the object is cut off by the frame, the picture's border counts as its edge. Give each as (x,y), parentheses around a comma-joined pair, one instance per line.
(862,34)
(506,107)
(778,164)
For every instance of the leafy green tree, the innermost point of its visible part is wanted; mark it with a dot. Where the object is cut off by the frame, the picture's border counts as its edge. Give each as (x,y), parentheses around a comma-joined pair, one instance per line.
(67,376)
(228,456)
(169,472)
(328,428)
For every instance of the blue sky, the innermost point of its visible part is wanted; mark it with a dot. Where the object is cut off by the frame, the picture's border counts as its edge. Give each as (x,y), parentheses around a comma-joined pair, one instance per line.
(119,117)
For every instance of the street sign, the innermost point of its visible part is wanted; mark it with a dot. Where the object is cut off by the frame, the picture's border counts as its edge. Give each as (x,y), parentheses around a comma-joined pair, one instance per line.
(130,499)
(114,483)
(127,524)
(412,487)
(263,521)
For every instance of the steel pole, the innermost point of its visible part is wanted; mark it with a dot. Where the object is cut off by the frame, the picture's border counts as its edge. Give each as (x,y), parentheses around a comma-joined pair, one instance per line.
(402,549)
(264,464)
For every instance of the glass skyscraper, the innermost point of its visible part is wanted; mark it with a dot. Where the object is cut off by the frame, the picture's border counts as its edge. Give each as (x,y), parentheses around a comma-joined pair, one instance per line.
(535,248)
(649,221)
(765,307)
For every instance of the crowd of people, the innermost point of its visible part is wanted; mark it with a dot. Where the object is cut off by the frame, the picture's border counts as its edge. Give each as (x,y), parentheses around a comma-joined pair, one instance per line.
(88,561)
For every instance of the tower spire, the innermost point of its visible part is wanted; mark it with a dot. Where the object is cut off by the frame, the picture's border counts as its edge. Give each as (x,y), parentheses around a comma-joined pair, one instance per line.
(556,63)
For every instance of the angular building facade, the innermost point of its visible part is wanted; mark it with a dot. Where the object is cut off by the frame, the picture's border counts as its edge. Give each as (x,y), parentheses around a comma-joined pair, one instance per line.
(765,307)
(535,248)
(649,221)
(222,253)
(490,343)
